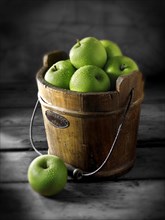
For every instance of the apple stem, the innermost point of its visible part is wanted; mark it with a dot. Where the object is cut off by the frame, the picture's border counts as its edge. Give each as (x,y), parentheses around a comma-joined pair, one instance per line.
(55,68)
(78,42)
(123,67)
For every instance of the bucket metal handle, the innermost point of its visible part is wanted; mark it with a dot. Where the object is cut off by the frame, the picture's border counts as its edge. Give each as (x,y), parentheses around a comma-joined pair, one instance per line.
(77,173)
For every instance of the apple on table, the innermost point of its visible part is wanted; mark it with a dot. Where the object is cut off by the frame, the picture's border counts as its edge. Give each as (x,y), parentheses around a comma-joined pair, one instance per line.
(47,175)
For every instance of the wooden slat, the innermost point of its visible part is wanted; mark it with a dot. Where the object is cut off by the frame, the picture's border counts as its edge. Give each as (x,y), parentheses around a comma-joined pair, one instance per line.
(25,94)
(15,94)
(16,112)
(149,165)
(18,138)
(152,115)
(15,126)
(106,200)
(16,117)
(152,122)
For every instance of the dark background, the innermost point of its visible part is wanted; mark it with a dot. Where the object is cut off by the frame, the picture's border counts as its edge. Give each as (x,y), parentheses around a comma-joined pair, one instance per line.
(28,29)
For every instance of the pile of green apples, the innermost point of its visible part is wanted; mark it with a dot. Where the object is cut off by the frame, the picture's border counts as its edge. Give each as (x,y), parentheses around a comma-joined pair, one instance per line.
(93,66)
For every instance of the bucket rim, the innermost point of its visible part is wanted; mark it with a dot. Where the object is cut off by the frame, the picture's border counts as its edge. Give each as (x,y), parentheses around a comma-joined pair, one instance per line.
(40,78)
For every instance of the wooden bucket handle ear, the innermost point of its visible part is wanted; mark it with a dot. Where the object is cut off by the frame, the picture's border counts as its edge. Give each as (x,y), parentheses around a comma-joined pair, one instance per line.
(54,56)
(126,83)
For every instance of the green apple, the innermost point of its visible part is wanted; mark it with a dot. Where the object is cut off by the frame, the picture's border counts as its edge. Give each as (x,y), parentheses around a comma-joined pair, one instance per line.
(47,175)
(88,51)
(119,65)
(59,74)
(111,48)
(90,78)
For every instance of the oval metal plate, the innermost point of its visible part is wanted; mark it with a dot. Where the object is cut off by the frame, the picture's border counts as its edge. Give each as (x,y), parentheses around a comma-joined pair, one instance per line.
(57,120)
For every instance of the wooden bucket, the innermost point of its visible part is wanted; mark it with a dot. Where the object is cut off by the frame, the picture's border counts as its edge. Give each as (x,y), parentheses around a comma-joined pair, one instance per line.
(81,127)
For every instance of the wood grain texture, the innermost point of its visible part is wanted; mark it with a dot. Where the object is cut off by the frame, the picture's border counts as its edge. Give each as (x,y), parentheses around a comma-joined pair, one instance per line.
(14,94)
(108,200)
(14,124)
(149,164)
(92,122)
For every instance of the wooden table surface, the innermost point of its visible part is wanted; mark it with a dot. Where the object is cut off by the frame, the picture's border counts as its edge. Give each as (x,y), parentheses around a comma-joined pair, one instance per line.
(139,194)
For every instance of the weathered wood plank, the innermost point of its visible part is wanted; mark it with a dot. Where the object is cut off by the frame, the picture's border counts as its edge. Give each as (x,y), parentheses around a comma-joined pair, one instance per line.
(152,114)
(18,138)
(126,200)
(25,94)
(16,117)
(152,119)
(150,164)
(15,122)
